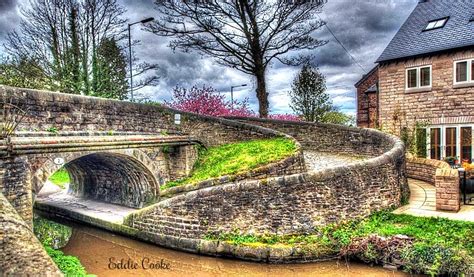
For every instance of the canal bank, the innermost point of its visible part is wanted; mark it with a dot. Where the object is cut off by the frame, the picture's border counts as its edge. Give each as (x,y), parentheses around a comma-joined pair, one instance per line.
(106,254)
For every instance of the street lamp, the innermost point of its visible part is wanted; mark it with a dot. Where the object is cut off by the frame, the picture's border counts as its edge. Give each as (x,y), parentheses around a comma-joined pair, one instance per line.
(232,94)
(130,50)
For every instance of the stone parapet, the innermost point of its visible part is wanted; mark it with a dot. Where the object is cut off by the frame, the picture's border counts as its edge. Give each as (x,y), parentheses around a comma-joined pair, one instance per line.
(291,204)
(442,176)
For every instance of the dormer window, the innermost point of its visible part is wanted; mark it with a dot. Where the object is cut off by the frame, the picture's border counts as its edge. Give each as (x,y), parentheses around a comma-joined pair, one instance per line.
(435,24)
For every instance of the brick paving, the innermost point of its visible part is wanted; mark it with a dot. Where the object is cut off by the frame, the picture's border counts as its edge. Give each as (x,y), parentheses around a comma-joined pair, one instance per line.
(423,203)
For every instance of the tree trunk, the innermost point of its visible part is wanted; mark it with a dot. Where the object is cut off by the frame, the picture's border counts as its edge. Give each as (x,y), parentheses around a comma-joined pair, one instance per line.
(262,94)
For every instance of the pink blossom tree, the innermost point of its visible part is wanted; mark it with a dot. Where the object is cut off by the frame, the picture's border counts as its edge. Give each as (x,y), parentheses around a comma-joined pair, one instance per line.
(207,101)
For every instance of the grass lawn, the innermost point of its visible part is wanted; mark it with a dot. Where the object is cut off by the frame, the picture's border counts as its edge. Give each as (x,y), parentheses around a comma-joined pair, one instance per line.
(60,178)
(233,158)
(439,245)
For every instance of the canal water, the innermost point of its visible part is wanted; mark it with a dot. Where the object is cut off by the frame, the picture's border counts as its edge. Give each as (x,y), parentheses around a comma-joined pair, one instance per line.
(106,254)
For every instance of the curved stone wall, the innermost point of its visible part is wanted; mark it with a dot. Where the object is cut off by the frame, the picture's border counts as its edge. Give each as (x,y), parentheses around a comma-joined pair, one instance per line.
(290,204)
(329,137)
(440,175)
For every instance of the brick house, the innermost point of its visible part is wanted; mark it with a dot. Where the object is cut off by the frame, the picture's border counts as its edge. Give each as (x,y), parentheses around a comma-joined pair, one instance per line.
(426,75)
(367,99)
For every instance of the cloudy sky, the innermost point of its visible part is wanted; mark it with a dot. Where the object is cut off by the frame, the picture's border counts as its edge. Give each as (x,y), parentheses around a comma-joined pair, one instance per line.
(364,27)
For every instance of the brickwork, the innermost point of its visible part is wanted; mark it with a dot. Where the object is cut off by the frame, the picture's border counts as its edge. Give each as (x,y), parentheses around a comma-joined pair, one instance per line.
(440,175)
(367,106)
(443,101)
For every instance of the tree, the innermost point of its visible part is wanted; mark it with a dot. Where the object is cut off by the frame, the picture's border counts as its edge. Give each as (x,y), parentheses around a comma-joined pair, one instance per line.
(23,73)
(243,34)
(64,36)
(207,101)
(336,117)
(308,94)
(111,71)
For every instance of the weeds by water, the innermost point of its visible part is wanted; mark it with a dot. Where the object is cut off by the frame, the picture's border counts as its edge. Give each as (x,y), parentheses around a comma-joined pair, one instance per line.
(53,235)
(433,245)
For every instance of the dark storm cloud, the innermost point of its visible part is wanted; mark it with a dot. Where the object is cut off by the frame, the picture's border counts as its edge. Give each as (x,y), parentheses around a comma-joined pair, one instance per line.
(9,18)
(7,5)
(364,27)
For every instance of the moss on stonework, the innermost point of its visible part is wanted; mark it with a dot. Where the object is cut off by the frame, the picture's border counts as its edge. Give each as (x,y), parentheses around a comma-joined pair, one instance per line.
(51,233)
(420,245)
(54,236)
(234,158)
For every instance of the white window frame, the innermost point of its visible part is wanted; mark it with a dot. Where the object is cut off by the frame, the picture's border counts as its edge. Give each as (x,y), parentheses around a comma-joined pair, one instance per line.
(418,78)
(436,24)
(469,80)
(442,128)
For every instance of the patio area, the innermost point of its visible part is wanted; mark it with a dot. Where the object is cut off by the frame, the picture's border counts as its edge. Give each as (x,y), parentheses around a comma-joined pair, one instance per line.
(423,203)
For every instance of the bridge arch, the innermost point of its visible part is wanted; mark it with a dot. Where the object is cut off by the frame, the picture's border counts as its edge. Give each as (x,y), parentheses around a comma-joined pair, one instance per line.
(124,177)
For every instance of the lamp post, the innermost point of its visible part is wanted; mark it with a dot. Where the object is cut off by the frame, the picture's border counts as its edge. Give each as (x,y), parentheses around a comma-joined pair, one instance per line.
(232,94)
(130,50)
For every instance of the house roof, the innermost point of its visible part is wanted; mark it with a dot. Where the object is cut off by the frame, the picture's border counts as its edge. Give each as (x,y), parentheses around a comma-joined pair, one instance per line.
(411,40)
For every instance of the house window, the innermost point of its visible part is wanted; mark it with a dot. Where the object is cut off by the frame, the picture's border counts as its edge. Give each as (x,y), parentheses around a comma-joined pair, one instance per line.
(464,72)
(450,141)
(466,144)
(411,75)
(435,138)
(435,24)
(418,77)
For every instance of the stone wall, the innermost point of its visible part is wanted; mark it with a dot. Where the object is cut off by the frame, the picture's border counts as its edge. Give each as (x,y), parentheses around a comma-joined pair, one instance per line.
(21,253)
(289,204)
(442,176)
(329,137)
(441,104)
(75,113)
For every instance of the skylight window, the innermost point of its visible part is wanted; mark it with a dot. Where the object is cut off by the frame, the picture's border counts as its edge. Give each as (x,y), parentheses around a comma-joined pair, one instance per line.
(435,24)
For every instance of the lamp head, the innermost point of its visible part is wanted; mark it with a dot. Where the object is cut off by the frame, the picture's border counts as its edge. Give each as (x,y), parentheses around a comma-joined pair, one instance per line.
(147,20)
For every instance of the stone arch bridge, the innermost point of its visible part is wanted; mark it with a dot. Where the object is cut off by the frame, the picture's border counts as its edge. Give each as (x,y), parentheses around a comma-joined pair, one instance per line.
(100,141)
(125,169)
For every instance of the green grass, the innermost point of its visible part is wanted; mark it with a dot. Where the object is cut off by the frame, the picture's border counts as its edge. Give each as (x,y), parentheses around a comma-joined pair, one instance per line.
(53,235)
(60,178)
(439,245)
(69,265)
(234,158)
